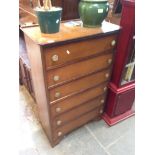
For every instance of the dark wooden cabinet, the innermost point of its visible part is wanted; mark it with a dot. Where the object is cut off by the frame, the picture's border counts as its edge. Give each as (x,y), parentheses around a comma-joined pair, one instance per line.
(70,8)
(25,77)
(24,67)
(70,72)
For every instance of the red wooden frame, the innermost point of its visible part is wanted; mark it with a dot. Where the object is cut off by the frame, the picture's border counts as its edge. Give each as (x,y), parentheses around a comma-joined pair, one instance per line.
(114,111)
(127,22)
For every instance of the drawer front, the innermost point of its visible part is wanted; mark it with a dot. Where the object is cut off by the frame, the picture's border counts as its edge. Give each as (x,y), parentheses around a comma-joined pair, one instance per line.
(77,112)
(79,69)
(61,131)
(62,106)
(75,51)
(79,85)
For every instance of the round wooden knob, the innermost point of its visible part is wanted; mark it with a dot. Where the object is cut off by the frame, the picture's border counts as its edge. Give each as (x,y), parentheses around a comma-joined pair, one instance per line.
(101,111)
(59,122)
(109,61)
(107,75)
(113,43)
(105,88)
(56,78)
(57,94)
(58,109)
(59,133)
(55,58)
(102,101)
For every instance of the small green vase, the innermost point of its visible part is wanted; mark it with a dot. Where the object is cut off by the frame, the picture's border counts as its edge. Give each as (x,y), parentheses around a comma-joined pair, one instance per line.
(93,12)
(49,21)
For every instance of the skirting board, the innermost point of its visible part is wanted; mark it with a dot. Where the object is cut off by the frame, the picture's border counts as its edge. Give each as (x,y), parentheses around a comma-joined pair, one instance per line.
(117,119)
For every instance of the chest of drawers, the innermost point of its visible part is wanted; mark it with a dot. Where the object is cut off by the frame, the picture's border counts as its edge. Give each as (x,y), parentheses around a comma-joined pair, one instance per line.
(70,72)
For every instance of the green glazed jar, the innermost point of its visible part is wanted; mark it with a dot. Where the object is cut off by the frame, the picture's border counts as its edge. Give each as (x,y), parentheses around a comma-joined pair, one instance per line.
(49,21)
(93,12)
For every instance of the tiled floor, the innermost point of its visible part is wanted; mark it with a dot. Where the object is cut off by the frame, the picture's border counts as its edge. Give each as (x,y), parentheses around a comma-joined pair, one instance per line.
(95,138)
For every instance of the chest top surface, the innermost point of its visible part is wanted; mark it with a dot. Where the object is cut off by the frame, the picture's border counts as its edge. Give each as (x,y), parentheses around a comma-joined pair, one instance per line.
(70,30)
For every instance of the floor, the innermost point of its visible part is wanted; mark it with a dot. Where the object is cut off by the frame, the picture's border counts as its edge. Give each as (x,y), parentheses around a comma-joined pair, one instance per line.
(95,138)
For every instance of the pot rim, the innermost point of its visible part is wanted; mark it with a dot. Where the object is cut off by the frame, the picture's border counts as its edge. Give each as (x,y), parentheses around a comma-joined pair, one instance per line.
(37,9)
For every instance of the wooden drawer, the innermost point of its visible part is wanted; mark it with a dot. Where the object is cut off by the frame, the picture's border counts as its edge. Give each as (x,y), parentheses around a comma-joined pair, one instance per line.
(78,85)
(75,51)
(79,69)
(78,111)
(61,131)
(60,106)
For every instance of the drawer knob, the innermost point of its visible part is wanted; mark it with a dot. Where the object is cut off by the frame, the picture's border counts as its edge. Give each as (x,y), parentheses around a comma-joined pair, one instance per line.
(55,57)
(68,52)
(109,61)
(58,109)
(105,88)
(57,94)
(107,75)
(59,133)
(102,101)
(113,43)
(59,122)
(101,111)
(56,78)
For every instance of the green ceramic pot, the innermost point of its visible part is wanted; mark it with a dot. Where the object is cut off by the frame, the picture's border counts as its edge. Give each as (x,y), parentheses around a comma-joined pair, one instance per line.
(93,12)
(49,21)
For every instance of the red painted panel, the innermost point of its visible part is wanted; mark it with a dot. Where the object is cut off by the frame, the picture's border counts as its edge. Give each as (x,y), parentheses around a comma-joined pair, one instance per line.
(124,102)
(119,100)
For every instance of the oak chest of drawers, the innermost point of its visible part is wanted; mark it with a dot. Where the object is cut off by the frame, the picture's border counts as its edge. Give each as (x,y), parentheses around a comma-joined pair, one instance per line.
(70,72)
